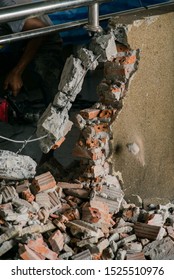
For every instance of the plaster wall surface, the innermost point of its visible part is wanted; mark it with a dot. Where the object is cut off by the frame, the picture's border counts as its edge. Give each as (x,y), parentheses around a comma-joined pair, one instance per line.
(147,117)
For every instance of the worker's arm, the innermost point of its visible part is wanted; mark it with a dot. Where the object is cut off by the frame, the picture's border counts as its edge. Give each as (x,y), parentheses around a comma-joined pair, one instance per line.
(14,78)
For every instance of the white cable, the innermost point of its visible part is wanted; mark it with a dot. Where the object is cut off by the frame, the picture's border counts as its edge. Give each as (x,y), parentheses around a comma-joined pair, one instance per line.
(24,141)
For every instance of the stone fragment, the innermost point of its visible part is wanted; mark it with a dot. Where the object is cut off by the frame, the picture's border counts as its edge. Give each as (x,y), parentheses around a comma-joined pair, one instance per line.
(104,46)
(103,244)
(113,246)
(55,124)
(8,194)
(11,233)
(83,228)
(121,254)
(85,255)
(72,77)
(160,249)
(135,256)
(170,231)
(16,167)
(88,59)
(126,240)
(87,241)
(7,246)
(133,247)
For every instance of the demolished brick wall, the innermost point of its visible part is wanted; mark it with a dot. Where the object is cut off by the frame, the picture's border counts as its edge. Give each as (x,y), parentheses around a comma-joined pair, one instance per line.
(84,215)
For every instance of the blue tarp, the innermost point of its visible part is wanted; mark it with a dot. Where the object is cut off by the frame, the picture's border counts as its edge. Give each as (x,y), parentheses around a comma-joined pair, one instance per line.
(80,34)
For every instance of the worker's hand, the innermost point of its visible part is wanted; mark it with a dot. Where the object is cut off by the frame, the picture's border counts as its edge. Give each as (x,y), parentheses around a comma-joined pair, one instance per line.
(13,82)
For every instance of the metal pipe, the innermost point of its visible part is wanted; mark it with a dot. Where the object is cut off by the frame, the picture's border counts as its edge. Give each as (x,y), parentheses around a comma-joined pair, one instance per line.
(93,17)
(41,31)
(75,24)
(12,13)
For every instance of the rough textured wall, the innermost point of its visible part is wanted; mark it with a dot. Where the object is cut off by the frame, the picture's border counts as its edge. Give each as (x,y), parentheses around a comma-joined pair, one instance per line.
(147,117)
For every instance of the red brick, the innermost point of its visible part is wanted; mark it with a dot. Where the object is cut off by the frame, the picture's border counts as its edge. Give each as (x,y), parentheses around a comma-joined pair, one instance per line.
(58,143)
(146,231)
(66,185)
(128,59)
(56,241)
(44,182)
(89,113)
(90,214)
(105,114)
(39,247)
(102,127)
(72,214)
(92,142)
(122,48)
(27,195)
(27,254)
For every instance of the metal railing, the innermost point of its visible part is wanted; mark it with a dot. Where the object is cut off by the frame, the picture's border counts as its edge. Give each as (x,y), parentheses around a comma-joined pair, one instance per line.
(11,13)
(52,6)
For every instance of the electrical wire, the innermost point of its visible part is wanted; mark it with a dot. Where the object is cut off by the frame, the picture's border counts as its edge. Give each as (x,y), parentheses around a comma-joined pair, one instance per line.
(23,141)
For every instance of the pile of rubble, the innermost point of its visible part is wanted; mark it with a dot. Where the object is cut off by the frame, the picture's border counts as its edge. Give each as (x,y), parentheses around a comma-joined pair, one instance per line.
(80,213)
(44,219)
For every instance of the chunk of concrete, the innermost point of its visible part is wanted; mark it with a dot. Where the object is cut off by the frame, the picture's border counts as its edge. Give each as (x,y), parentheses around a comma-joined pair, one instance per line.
(160,250)
(88,59)
(55,124)
(16,167)
(104,46)
(72,77)
(8,194)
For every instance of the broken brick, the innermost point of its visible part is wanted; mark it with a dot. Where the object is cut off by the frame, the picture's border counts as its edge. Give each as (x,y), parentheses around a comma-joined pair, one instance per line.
(89,113)
(66,185)
(27,195)
(58,143)
(43,182)
(135,256)
(56,241)
(90,214)
(27,254)
(146,231)
(39,247)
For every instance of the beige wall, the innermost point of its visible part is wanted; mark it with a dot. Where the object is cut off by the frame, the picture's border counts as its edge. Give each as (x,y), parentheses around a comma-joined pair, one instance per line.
(147,117)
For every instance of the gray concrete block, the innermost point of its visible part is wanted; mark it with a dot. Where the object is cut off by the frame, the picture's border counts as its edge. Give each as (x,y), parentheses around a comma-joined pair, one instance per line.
(88,59)
(72,77)
(160,250)
(104,46)
(8,194)
(55,124)
(60,99)
(16,167)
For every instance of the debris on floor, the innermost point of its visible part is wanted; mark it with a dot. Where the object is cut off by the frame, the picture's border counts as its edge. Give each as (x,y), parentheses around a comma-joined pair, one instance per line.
(80,213)
(40,220)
